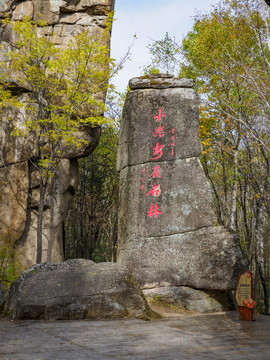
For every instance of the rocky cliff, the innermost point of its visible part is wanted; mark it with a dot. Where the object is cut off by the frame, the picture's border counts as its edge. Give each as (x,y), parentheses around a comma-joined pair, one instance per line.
(18,177)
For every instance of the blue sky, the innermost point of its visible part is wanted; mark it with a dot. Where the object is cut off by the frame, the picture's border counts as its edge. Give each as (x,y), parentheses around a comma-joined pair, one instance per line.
(149,20)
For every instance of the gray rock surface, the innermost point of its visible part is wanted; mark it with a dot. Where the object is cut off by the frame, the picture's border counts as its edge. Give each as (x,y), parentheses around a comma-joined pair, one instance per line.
(18,178)
(208,258)
(136,142)
(184,297)
(159,81)
(168,232)
(76,289)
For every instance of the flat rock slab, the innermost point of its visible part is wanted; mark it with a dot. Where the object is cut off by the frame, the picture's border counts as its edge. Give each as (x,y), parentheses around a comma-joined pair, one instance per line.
(76,289)
(209,337)
(159,81)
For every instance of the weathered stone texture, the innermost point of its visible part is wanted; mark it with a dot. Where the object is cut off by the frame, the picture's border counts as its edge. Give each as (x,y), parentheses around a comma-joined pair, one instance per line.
(168,232)
(208,258)
(183,197)
(186,298)
(19,194)
(23,9)
(136,143)
(60,191)
(52,10)
(76,289)
(157,82)
(14,183)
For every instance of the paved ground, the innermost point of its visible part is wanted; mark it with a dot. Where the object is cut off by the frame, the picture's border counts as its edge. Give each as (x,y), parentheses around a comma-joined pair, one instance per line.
(220,336)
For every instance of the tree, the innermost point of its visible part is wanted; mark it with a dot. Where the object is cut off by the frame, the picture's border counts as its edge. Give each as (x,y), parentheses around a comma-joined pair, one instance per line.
(67,88)
(165,56)
(91,224)
(227,54)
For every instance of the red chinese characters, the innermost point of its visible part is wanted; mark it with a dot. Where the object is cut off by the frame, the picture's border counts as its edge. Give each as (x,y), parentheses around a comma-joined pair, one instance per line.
(160,133)
(158,151)
(156,172)
(155,190)
(154,211)
(172,141)
(160,115)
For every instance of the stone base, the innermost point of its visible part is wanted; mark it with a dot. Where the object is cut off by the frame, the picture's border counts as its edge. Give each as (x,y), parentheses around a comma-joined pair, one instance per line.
(185,260)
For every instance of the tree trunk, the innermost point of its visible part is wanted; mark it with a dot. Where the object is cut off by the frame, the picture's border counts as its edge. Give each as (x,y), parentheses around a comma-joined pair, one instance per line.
(40,218)
(259,256)
(232,213)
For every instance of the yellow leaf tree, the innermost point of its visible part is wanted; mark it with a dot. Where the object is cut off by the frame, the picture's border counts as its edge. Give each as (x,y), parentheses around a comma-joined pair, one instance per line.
(227,53)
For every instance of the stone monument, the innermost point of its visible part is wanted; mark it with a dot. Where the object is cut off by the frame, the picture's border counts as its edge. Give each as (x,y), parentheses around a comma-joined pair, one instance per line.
(168,233)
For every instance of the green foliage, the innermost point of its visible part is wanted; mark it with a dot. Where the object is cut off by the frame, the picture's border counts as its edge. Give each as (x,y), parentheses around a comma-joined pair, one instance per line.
(64,83)
(67,87)
(9,261)
(227,54)
(165,56)
(222,53)
(91,225)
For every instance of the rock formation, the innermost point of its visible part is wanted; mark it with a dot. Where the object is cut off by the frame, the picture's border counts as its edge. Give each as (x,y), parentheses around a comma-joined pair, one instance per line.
(168,232)
(75,290)
(18,177)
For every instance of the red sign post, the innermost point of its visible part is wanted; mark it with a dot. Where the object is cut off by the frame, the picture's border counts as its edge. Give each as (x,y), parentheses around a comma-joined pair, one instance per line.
(244,296)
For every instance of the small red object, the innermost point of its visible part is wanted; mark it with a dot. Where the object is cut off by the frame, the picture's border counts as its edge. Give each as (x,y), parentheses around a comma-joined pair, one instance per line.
(246,313)
(250,303)
(244,295)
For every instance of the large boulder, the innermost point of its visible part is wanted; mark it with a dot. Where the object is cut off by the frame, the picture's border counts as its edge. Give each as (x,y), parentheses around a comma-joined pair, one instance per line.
(19,179)
(76,289)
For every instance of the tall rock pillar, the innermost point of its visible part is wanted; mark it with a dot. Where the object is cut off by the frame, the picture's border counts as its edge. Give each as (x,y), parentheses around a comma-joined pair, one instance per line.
(168,232)
(19,175)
